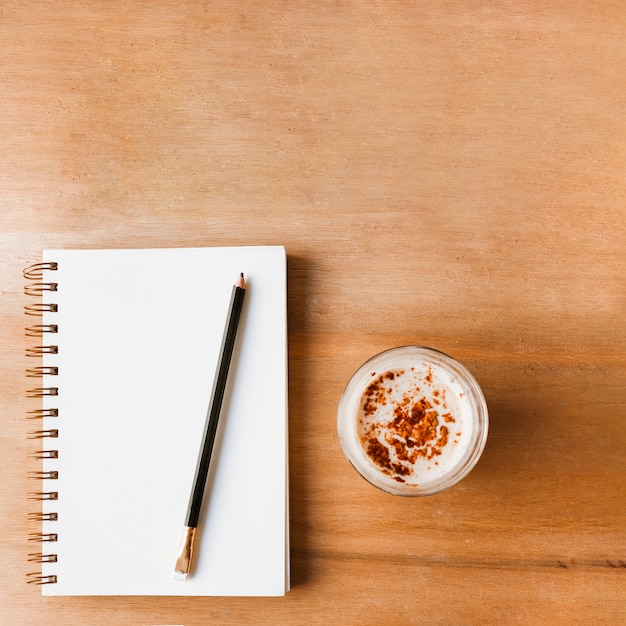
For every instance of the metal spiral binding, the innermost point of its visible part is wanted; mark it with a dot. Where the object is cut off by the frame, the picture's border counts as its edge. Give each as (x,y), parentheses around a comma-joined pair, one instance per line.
(38,330)
(52,475)
(35,578)
(40,392)
(36,289)
(51,433)
(43,517)
(39,414)
(39,372)
(39,557)
(43,495)
(40,308)
(43,537)
(37,286)
(44,454)
(35,271)
(37,351)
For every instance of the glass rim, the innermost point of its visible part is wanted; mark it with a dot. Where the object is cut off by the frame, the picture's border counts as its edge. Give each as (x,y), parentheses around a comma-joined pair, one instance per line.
(347,423)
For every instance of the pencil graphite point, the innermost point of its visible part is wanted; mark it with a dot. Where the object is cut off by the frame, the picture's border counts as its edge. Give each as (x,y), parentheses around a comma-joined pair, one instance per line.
(241,282)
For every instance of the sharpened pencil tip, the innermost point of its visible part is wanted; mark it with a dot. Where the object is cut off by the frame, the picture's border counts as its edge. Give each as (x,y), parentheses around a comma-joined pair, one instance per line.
(241,282)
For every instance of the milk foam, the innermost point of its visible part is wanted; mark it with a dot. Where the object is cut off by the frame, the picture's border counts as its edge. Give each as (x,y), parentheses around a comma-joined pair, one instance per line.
(431,439)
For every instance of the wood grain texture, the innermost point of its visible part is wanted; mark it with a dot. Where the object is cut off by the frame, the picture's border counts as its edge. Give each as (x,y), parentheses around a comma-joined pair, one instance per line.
(445,174)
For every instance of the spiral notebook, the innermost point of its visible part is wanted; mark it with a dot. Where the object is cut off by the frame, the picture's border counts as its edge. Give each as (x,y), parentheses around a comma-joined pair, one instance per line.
(123,358)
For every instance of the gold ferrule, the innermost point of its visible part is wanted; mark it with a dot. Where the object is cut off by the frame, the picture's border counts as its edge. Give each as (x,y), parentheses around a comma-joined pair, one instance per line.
(185,552)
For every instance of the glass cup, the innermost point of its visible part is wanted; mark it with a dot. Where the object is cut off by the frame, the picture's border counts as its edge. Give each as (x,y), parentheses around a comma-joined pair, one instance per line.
(413,421)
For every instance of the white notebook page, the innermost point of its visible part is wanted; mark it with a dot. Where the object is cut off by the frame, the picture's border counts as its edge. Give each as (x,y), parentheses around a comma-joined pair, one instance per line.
(139,337)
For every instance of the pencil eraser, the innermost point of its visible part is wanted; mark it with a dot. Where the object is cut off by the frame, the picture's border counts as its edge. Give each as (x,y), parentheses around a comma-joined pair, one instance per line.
(180,576)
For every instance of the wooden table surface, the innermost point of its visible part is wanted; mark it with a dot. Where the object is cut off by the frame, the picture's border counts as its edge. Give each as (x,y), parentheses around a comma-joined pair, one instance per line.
(443,174)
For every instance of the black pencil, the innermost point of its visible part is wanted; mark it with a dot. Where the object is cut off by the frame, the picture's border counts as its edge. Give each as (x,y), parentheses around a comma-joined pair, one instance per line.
(183,560)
